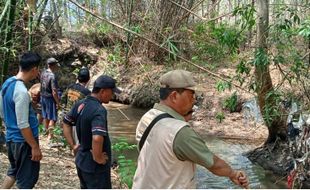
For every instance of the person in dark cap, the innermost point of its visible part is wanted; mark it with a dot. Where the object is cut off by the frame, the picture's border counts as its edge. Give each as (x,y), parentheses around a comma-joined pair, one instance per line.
(169,147)
(49,95)
(74,93)
(93,158)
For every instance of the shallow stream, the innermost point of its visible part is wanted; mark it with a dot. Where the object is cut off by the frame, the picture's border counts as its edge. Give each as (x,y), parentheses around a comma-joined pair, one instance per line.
(123,120)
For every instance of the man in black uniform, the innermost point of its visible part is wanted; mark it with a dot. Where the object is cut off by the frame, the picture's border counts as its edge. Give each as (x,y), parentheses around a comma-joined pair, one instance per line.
(93,158)
(76,91)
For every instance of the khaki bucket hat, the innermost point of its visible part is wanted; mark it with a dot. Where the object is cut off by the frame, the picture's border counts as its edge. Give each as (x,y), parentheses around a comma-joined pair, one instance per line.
(179,79)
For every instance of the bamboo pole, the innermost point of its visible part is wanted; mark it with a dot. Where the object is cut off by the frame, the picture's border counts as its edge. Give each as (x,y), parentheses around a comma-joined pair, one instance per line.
(128,33)
(3,14)
(8,39)
(30,24)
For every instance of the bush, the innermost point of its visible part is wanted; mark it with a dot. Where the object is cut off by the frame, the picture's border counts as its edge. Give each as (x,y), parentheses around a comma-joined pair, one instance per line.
(231,103)
(127,167)
(215,42)
(220,117)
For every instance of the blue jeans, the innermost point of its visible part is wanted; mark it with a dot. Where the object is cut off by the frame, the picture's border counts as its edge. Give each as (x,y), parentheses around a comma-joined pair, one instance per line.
(48,106)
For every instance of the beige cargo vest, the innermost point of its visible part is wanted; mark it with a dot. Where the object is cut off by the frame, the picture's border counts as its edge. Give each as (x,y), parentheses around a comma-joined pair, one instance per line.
(158,166)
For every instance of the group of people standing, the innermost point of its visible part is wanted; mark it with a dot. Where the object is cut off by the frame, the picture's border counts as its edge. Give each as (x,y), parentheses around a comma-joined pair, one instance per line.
(22,125)
(169,148)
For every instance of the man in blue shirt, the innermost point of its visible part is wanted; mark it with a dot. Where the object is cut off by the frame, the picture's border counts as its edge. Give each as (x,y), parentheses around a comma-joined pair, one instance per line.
(21,125)
(93,158)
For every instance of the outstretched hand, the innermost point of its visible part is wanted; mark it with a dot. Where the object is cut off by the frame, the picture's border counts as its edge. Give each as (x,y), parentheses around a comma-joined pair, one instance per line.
(240,178)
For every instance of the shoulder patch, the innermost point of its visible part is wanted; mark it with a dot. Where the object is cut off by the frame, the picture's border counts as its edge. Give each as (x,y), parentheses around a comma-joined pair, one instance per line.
(80,108)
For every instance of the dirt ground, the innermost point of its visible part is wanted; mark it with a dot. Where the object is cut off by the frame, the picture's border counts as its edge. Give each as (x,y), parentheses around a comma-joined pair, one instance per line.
(57,169)
(233,126)
(236,125)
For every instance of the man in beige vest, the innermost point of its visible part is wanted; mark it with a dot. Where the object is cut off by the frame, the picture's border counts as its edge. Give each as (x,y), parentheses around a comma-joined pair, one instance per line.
(171,150)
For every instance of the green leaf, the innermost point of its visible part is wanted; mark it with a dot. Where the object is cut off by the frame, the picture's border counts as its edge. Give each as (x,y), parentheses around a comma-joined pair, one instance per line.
(222,86)
(220,117)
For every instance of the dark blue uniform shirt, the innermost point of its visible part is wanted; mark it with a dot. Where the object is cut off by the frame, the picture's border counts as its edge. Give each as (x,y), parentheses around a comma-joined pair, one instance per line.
(90,118)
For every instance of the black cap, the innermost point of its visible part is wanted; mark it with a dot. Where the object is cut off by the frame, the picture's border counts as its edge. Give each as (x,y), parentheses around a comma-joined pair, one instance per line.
(83,75)
(52,61)
(105,81)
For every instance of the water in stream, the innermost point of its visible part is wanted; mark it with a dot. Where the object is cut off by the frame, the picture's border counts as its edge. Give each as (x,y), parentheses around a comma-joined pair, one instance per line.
(123,121)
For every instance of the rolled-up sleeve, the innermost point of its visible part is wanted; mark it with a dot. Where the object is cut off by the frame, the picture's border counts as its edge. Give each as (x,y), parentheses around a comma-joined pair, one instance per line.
(99,125)
(189,146)
(22,103)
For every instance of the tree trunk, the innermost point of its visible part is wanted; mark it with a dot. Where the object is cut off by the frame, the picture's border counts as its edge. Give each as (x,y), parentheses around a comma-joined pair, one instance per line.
(309,49)
(30,23)
(41,13)
(249,40)
(66,17)
(202,9)
(87,5)
(57,25)
(129,41)
(214,11)
(262,75)
(32,9)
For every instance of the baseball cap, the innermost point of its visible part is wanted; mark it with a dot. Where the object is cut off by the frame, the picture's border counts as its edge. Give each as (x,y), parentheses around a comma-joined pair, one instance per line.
(179,79)
(83,75)
(52,61)
(105,81)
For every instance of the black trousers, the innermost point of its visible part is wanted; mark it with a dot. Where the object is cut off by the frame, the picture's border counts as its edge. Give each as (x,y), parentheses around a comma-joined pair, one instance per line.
(22,168)
(100,180)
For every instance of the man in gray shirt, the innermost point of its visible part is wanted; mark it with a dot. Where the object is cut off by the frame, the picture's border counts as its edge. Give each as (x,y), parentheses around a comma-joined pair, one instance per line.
(49,95)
